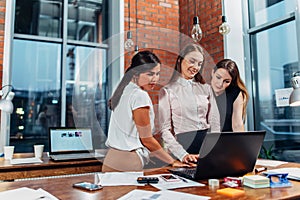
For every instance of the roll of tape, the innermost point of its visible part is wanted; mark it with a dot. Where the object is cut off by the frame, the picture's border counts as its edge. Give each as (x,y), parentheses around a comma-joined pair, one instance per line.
(213,182)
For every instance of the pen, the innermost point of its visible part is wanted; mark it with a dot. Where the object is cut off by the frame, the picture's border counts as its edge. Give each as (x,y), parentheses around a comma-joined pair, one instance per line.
(260,169)
(182,179)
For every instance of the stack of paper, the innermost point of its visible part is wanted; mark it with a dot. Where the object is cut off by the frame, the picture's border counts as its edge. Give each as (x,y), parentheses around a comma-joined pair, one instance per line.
(17,161)
(256,181)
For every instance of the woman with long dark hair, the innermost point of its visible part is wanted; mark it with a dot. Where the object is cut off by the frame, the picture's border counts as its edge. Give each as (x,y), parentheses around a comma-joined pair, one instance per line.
(231,95)
(130,138)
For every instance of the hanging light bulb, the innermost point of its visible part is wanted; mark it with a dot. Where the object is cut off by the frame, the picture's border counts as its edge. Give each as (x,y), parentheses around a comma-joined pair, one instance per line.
(136,48)
(224,29)
(196,30)
(129,42)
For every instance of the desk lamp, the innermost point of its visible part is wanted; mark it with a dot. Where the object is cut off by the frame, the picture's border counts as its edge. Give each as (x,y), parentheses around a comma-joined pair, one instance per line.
(6,104)
(295,95)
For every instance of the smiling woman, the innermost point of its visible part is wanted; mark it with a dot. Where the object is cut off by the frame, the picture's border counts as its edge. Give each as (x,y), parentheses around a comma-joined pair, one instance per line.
(187,103)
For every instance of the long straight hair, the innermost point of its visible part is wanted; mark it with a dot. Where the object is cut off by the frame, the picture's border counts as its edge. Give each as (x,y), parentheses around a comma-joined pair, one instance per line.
(186,50)
(142,62)
(233,70)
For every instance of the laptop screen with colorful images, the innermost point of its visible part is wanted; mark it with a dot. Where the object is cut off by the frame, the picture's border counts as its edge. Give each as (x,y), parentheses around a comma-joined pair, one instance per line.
(70,140)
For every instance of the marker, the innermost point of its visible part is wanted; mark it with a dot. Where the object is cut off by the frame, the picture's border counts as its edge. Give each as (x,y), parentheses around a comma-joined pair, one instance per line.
(260,169)
(182,179)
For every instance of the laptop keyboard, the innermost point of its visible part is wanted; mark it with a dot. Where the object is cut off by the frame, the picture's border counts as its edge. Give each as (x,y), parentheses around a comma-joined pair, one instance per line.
(72,156)
(184,172)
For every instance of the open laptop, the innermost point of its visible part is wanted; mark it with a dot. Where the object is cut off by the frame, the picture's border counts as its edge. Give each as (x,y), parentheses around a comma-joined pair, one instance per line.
(71,144)
(225,154)
(191,141)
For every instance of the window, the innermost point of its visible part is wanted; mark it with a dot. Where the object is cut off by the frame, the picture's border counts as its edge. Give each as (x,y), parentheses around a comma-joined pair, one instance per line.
(273,38)
(58,69)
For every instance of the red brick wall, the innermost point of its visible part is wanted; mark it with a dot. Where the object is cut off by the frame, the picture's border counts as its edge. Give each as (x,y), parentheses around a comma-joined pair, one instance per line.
(165,25)
(2,20)
(210,15)
(157,29)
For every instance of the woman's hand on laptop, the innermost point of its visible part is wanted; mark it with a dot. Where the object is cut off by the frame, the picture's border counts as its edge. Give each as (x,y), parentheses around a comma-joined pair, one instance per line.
(190,158)
(177,163)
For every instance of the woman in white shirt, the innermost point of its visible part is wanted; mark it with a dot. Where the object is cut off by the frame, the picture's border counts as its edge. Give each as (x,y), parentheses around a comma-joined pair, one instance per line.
(187,103)
(130,138)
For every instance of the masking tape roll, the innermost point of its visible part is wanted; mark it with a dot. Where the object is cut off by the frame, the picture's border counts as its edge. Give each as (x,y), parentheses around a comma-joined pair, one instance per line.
(213,182)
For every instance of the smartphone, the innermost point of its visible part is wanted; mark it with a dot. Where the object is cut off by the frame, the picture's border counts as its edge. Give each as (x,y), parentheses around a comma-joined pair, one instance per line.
(87,186)
(169,178)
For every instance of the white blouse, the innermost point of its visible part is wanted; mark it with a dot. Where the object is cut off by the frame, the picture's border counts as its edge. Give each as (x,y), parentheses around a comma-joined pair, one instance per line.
(122,131)
(186,105)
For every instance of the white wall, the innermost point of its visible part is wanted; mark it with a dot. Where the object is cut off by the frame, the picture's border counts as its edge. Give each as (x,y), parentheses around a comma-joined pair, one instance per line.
(233,42)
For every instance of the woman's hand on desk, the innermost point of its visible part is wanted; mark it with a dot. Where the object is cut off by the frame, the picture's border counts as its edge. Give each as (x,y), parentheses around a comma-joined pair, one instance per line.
(190,158)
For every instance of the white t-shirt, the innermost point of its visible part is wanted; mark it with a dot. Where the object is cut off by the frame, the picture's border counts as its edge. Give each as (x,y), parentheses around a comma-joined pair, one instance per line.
(122,132)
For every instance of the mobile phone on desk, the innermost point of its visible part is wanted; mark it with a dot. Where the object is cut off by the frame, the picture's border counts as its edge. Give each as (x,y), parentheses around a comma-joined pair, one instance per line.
(87,186)
(170,178)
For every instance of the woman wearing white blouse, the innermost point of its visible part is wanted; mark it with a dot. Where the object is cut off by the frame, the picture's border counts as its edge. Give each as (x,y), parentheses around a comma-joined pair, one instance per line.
(187,103)
(130,138)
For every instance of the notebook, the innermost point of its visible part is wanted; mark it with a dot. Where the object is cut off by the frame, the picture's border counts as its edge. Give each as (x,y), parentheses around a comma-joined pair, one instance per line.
(225,154)
(191,141)
(71,144)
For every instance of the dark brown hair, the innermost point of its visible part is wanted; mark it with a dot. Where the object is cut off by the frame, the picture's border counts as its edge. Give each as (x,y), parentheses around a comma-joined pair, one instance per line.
(141,62)
(233,70)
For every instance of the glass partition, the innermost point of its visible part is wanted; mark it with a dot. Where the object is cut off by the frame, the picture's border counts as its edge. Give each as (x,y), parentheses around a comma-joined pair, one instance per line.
(276,58)
(265,11)
(36,80)
(39,17)
(85,20)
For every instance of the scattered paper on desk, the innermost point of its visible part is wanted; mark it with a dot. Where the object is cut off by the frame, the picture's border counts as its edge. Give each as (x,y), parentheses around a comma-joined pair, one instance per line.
(18,161)
(25,193)
(293,172)
(165,185)
(270,163)
(160,195)
(119,178)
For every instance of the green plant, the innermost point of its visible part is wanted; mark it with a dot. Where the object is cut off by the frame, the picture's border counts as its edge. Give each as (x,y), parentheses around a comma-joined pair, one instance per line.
(267,153)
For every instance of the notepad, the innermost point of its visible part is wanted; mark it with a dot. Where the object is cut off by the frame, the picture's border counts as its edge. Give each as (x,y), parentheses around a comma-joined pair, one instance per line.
(231,192)
(18,161)
(256,181)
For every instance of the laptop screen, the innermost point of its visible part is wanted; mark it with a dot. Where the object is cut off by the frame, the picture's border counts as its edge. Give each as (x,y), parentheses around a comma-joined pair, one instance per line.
(70,140)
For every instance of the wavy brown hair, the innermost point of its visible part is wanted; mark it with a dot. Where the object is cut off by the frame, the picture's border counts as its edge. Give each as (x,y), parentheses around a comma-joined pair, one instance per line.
(233,70)
(186,50)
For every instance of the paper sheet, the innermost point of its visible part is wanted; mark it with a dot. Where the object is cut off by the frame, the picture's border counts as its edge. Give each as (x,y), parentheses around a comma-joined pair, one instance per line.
(17,161)
(293,172)
(160,195)
(119,178)
(165,185)
(271,163)
(25,193)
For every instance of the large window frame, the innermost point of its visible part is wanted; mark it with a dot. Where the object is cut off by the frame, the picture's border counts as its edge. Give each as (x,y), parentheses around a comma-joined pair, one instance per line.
(114,55)
(251,62)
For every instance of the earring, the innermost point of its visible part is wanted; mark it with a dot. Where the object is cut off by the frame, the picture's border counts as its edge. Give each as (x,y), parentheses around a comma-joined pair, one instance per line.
(135,79)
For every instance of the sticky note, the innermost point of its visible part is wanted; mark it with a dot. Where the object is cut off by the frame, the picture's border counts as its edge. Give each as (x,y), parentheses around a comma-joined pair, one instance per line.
(231,192)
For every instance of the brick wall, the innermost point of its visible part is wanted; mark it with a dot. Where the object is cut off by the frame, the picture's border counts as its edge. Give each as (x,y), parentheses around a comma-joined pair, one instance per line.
(210,16)
(165,25)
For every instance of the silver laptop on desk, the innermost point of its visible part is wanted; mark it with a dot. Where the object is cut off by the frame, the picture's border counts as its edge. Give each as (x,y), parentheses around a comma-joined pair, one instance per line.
(225,154)
(71,144)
